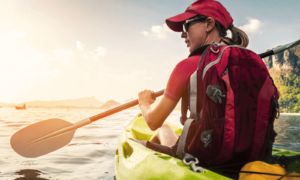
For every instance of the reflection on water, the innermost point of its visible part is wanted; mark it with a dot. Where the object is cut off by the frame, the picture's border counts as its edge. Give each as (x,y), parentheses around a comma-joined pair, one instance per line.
(29,174)
(90,154)
(288,130)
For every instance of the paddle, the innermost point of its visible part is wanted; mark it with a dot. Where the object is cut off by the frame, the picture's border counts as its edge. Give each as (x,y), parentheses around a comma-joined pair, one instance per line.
(49,135)
(280,49)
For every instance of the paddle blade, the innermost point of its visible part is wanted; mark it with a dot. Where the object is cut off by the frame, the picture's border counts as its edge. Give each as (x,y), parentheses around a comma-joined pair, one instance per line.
(25,143)
(285,47)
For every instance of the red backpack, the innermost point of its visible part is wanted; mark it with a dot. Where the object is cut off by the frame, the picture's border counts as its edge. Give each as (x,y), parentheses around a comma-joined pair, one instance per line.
(234,122)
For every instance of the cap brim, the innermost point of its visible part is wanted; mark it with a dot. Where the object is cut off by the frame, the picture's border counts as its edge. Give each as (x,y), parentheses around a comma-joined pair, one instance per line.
(175,22)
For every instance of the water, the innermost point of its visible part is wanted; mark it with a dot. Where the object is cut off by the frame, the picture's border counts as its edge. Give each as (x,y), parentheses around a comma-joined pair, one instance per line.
(90,154)
(288,130)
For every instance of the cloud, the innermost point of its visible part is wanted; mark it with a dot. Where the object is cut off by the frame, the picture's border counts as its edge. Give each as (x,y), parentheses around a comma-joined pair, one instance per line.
(159,32)
(80,45)
(145,33)
(65,55)
(252,28)
(101,51)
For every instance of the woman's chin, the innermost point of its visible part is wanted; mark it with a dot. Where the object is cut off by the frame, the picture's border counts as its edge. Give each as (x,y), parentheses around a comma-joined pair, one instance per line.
(191,49)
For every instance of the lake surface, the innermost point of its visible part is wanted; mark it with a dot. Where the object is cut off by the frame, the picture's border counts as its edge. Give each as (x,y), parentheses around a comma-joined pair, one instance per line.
(90,154)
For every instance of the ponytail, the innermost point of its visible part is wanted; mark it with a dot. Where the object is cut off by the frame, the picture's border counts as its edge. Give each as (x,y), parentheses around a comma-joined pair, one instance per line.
(239,37)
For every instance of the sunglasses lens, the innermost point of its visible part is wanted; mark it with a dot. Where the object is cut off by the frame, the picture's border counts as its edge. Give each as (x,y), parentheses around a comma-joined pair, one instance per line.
(189,21)
(184,29)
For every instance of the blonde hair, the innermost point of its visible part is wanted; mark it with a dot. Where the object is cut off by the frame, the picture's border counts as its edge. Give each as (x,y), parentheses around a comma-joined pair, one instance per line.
(239,37)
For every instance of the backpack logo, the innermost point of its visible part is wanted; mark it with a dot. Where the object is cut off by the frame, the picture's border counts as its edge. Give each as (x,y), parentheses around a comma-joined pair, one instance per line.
(206,137)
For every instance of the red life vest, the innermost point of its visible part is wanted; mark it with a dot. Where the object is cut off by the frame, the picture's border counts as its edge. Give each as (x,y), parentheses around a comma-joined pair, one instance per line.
(239,105)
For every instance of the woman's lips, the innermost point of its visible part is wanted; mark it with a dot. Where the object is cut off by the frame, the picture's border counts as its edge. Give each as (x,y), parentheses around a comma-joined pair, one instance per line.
(187,43)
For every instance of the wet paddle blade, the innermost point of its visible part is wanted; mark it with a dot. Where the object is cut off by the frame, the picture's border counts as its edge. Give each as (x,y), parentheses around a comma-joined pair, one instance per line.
(27,142)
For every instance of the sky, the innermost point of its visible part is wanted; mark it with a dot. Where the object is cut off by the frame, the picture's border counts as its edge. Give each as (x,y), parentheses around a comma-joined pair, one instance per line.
(112,49)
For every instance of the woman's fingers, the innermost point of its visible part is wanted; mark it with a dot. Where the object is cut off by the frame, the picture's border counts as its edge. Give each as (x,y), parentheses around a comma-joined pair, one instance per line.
(146,96)
(153,95)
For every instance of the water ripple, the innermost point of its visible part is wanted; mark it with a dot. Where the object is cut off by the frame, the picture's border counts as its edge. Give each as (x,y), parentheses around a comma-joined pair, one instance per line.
(90,154)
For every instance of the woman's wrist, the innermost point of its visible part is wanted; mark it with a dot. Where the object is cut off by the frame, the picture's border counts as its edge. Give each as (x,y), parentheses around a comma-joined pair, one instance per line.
(144,104)
(145,109)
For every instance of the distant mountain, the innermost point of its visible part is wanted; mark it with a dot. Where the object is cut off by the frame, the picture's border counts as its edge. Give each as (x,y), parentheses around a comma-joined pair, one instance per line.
(81,102)
(288,59)
(284,70)
(110,104)
(8,104)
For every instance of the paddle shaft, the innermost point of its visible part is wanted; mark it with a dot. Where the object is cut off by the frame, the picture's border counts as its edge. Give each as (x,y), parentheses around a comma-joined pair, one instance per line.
(266,54)
(121,107)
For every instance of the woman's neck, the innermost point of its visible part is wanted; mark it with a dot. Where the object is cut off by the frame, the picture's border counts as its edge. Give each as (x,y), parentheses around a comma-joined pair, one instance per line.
(213,36)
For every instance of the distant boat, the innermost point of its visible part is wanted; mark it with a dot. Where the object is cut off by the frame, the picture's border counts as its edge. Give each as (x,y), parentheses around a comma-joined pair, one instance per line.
(21,107)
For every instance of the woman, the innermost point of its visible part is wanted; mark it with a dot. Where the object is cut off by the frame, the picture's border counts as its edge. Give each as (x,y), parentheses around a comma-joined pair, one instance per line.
(203,23)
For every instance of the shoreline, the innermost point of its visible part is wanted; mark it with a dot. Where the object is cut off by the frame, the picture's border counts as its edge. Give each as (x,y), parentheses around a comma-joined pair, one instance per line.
(133,108)
(290,114)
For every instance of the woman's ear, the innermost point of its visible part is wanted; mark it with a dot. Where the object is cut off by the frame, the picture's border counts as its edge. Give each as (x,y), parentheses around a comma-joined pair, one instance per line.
(210,24)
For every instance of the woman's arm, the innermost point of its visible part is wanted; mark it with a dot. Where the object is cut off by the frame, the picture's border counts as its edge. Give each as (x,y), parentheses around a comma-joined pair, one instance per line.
(155,117)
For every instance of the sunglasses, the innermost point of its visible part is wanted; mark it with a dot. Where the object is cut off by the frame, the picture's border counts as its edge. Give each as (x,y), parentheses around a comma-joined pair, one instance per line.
(188,22)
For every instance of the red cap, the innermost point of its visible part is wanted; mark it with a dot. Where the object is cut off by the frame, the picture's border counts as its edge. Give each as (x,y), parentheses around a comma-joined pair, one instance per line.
(209,8)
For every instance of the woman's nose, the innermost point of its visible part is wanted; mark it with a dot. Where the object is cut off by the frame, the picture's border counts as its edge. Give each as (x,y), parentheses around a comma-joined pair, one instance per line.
(183,35)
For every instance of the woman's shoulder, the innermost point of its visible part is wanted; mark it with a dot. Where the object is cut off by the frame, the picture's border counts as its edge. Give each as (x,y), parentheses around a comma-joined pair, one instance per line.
(194,57)
(187,66)
(190,61)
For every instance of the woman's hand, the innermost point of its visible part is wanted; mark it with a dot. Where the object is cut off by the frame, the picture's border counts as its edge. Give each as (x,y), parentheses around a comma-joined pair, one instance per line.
(146,97)
(155,117)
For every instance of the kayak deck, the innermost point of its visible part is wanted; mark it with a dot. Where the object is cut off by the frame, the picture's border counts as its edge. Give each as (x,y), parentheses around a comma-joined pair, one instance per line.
(135,161)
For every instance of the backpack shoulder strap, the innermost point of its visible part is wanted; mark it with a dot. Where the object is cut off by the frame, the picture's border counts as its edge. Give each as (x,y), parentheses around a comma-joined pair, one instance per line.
(184,108)
(193,108)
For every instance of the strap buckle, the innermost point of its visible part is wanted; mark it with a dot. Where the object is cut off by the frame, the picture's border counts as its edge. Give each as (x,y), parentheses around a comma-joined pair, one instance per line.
(213,46)
(215,93)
